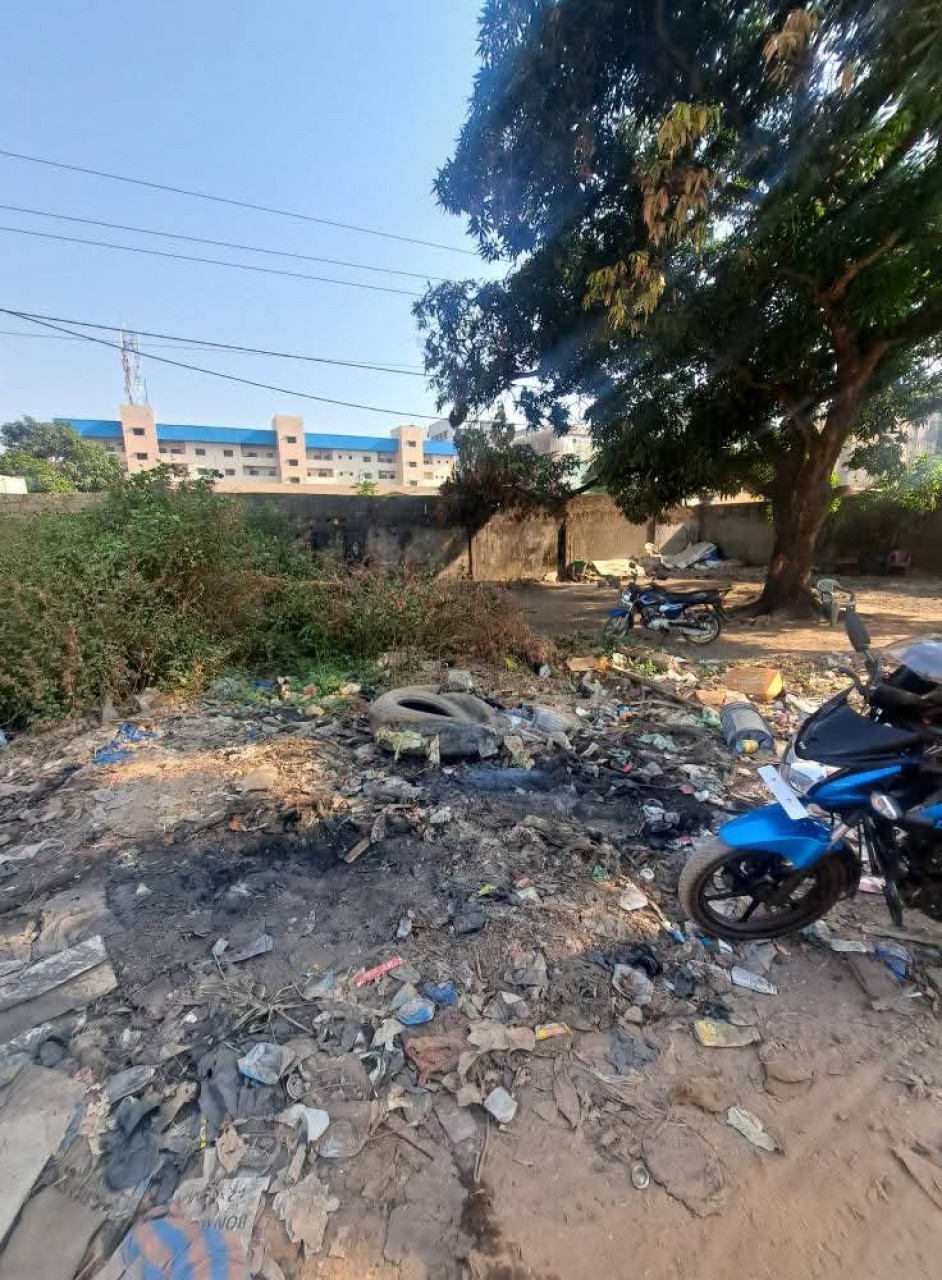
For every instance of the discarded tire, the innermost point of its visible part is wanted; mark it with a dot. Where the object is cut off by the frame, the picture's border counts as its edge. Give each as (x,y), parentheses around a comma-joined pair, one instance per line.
(464,725)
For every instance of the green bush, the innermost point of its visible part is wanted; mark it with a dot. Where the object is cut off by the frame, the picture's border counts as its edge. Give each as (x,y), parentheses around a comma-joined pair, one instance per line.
(170,583)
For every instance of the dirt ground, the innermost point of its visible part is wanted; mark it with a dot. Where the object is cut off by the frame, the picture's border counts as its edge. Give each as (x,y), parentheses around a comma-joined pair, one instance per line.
(220,823)
(892,609)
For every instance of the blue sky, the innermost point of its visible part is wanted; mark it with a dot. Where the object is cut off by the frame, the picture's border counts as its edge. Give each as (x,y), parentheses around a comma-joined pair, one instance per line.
(340,108)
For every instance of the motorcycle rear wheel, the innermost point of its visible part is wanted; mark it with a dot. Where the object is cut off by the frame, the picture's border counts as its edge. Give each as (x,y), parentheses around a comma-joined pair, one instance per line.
(756,894)
(708,622)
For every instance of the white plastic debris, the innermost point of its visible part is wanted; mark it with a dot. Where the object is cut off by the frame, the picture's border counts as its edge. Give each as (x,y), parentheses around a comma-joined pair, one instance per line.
(753,981)
(751,1128)
(632,899)
(500,1105)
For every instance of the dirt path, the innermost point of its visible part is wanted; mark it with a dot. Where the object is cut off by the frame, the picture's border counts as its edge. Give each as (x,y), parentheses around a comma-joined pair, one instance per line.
(892,609)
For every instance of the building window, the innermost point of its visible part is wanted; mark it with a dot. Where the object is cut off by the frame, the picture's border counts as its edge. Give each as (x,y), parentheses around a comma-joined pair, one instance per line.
(413,464)
(294,480)
(162,449)
(413,484)
(387,475)
(137,431)
(230,471)
(367,458)
(412,444)
(201,453)
(252,471)
(227,453)
(292,462)
(269,455)
(325,472)
(428,475)
(291,439)
(251,454)
(141,457)
(179,450)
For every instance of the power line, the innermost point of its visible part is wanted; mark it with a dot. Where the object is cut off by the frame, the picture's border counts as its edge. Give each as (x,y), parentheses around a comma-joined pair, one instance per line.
(201,344)
(229,377)
(219,244)
(240,204)
(213,262)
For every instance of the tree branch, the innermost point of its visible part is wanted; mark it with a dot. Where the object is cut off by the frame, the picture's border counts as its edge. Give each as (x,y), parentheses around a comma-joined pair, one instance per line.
(678,57)
(836,291)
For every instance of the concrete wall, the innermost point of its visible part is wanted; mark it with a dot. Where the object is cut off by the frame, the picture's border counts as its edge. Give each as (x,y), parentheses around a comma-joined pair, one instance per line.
(741,530)
(506,550)
(34,504)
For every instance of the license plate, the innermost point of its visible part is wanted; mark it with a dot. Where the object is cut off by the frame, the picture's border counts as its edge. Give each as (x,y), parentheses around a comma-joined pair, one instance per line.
(783,792)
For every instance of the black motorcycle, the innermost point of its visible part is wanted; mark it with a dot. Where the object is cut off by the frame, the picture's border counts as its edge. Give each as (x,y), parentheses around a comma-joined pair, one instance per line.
(697,615)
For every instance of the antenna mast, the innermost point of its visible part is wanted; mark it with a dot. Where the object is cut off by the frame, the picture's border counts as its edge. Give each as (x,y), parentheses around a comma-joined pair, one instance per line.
(135,388)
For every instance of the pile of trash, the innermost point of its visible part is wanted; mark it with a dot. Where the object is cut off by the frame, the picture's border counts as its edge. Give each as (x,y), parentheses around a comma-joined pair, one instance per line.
(393,934)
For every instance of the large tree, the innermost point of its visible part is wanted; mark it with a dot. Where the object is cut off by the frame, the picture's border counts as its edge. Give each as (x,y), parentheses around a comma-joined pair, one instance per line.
(55,458)
(724,219)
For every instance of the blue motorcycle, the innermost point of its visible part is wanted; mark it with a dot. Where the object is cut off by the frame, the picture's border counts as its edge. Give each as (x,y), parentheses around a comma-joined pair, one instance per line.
(697,615)
(852,784)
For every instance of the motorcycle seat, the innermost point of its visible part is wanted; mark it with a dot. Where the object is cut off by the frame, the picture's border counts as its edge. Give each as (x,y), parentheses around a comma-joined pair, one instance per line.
(693,597)
(842,737)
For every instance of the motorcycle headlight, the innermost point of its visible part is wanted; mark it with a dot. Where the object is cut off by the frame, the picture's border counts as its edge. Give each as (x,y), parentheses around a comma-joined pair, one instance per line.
(801,775)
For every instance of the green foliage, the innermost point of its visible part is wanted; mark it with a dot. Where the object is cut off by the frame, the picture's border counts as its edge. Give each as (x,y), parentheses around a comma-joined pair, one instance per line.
(54,458)
(723,223)
(495,473)
(366,488)
(890,514)
(170,583)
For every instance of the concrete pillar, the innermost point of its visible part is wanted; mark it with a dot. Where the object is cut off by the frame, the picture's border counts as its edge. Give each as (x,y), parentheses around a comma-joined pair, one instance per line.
(409,457)
(140,436)
(292,454)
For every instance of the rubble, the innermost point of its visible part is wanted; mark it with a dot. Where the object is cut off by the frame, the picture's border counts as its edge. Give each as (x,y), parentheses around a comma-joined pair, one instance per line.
(282,1027)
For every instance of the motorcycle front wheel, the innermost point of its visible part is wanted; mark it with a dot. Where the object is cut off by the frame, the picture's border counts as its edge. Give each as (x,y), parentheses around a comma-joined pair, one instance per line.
(742,895)
(707,622)
(618,625)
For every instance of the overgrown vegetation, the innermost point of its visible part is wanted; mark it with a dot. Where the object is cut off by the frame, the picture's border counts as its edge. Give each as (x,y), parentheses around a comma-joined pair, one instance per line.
(54,458)
(170,583)
(494,472)
(887,516)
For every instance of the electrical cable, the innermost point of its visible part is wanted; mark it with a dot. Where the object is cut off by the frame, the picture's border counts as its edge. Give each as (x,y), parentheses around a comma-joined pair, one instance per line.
(240,204)
(228,377)
(219,244)
(214,262)
(209,344)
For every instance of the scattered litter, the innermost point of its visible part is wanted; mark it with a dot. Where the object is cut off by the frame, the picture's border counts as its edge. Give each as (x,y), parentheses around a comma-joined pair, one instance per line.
(262,944)
(925,1172)
(370,975)
(751,1128)
(742,724)
(457,1121)
(320,988)
(470,919)
(414,1013)
(566,1098)
(500,1105)
(895,956)
(266,1063)
(640,1178)
(633,984)
(314,1120)
(723,1035)
(126,1083)
(752,981)
(304,1209)
(444,993)
(705,1092)
(119,748)
(632,899)
(490,1037)
(550,1030)
(71,979)
(662,741)
(404,928)
(630,1051)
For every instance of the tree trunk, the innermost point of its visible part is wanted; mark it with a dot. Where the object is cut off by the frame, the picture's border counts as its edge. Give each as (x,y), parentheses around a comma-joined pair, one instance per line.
(800,505)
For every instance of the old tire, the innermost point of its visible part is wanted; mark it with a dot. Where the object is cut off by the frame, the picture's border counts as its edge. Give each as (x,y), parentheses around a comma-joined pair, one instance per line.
(826,883)
(463,724)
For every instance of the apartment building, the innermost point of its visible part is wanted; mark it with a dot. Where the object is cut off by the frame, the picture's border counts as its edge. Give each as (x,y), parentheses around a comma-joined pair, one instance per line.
(276,459)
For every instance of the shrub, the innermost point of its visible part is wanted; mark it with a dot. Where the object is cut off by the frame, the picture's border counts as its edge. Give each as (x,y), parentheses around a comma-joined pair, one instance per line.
(170,583)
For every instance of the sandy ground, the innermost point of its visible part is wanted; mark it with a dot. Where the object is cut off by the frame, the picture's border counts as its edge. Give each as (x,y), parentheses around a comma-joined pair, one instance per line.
(892,609)
(549,1195)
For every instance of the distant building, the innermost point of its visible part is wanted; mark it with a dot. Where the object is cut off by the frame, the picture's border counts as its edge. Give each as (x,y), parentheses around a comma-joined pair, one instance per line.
(281,458)
(576,443)
(919,439)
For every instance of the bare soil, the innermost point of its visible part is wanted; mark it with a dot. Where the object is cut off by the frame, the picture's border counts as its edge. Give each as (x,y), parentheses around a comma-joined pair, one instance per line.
(892,608)
(185,856)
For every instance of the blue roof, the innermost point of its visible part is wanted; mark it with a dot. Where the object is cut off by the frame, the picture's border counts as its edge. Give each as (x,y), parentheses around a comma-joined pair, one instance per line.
(379,444)
(108,429)
(101,427)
